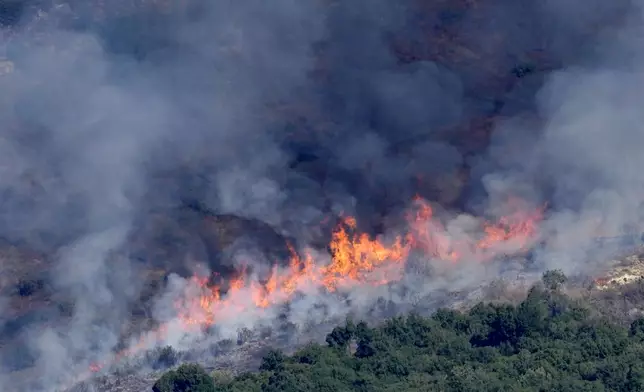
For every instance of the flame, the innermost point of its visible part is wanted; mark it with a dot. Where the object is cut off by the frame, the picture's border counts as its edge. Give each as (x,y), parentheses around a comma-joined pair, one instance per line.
(429,235)
(356,259)
(143,344)
(513,233)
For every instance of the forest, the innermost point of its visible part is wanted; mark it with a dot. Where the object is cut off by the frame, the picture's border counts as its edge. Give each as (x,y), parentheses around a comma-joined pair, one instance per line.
(550,341)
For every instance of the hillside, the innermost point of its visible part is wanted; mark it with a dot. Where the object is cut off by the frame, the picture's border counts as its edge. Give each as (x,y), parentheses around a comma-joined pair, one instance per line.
(547,342)
(569,305)
(224,177)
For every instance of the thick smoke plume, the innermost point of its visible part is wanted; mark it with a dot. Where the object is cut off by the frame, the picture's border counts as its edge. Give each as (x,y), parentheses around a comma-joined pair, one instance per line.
(293,115)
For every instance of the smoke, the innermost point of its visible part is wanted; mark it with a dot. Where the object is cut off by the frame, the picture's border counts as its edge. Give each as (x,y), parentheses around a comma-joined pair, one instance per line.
(289,114)
(583,156)
(75,138)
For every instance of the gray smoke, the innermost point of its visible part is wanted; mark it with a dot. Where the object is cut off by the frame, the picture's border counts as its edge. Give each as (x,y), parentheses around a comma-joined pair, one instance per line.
(292,112)
(584,150)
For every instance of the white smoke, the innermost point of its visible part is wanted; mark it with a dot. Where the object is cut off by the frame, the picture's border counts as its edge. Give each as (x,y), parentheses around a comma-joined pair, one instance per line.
(90,117)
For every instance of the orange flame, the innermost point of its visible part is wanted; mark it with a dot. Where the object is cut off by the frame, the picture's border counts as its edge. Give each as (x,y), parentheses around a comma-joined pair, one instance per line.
(356,260)
(428,234)
(513,233)
(356,257)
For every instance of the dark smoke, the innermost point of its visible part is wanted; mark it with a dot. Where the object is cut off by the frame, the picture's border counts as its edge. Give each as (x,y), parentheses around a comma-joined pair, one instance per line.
(131,128)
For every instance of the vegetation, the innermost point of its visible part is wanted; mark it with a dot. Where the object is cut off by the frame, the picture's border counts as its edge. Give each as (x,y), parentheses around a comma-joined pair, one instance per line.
(549,342)
(163,358)
(186,378)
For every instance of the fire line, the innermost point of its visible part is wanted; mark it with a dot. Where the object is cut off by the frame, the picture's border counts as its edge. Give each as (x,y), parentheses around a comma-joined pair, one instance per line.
(356,260)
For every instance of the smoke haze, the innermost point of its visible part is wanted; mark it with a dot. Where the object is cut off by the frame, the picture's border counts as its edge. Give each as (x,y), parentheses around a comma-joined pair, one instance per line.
(291,115)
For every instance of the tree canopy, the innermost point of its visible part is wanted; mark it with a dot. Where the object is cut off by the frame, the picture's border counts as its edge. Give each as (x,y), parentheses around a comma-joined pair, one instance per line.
(549,342)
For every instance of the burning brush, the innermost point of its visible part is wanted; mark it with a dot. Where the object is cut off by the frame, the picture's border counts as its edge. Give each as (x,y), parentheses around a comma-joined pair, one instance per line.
(355,260)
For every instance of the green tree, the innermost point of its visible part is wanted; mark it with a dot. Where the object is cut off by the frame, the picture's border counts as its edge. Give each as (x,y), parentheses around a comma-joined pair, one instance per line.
(365,337)
(273,361)
(164,358)
(532,312)
(637,328)
(549,342)
(553,279)
(186,378)
(286,381)
(341,336)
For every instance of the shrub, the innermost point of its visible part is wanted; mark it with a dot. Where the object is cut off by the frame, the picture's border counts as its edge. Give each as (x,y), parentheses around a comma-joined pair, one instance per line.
(186,378)
(164,357)
(272,361)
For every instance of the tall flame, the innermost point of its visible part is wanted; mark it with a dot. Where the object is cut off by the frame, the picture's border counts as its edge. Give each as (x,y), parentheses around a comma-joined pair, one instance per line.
(356,260)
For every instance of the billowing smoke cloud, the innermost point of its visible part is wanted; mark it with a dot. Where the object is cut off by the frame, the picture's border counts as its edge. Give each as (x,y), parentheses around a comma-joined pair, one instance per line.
(116,115)
(582,154)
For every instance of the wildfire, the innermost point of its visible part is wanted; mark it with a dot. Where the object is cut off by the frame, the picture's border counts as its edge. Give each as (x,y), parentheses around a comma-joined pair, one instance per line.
(356,259)
(510,234)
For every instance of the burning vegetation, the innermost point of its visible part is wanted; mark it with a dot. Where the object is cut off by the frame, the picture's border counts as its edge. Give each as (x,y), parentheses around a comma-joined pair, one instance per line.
(355,260)
(223,166)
